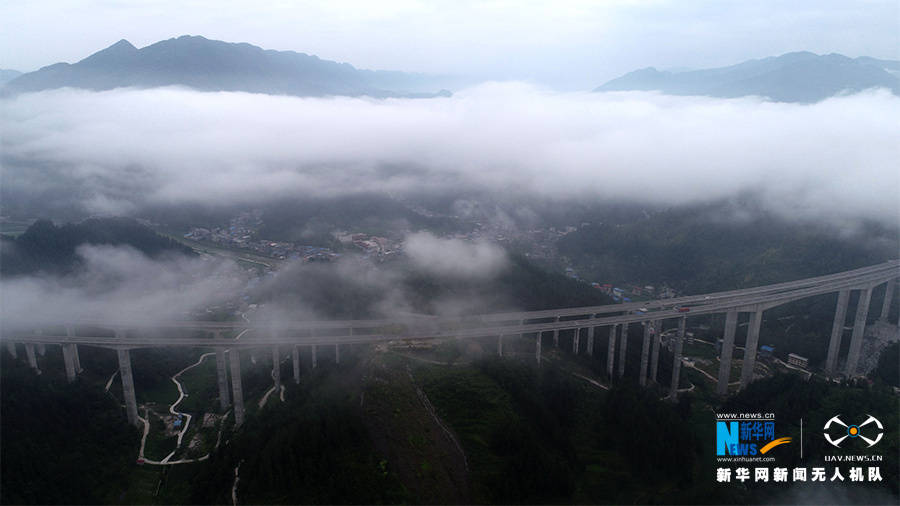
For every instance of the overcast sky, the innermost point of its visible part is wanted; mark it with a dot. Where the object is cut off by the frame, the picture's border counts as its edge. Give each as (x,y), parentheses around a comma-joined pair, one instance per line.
(573,44)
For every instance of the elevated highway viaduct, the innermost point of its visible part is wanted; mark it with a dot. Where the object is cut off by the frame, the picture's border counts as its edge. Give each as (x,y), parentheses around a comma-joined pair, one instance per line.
(616,319)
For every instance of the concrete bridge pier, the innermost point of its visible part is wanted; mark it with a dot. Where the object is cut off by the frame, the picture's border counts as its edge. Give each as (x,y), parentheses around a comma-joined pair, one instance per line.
(70,332)
(623,345)
(889,288)
(236,387)
(222,378)
(69,361)
(32,360)
(11,348)
(590,341)
(556,334)
(575,342)
(645,353)
(727,351)
(276,367)
(611,352)
(41,348)
(537,351)
(500,345)
(837,331)
(750,348)
(128,385)
(295,359)
(313,348)
(654,350)
(859,328)
(78,369)
(676,363)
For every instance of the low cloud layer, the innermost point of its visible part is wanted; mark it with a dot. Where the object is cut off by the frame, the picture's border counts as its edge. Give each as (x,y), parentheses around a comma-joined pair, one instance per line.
(446,277)
(120,283)
(121,150)
(454,257)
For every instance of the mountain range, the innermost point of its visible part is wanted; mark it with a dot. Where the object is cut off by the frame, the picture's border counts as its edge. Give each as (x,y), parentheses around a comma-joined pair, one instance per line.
(212,65)
(793,77)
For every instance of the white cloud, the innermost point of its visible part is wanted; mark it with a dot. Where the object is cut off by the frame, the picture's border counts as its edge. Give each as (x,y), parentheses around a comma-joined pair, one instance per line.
(454,257)
(122,149)
(119,283)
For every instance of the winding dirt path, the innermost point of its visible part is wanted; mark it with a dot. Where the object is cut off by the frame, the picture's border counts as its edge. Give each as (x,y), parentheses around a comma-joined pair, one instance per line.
(235,485)
(591,381)
(181,395)
(111,378)
(692,366)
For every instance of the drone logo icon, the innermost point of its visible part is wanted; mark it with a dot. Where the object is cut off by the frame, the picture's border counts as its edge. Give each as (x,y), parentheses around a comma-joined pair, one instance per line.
(853,431)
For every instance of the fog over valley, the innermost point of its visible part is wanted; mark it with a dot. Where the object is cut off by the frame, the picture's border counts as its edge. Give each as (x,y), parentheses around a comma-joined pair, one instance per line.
(119,284)
(116,152)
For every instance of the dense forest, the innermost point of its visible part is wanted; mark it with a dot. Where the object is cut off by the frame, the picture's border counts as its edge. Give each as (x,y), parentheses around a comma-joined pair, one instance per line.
(313,449)
(721,247)
(62,443)
(51,248)
(888,369)
(529,437)
(541,436)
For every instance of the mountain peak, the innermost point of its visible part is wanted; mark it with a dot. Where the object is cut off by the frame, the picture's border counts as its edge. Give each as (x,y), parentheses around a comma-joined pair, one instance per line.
(115,53)
(214,65)
(801,55)
(189,39)
(122,44)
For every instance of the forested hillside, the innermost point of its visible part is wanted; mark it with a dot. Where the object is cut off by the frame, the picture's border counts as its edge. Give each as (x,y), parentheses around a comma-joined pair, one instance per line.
(62,443)
(529,437)
(51,248)
(361,290)
(721,247)
(541,436)
(312,449)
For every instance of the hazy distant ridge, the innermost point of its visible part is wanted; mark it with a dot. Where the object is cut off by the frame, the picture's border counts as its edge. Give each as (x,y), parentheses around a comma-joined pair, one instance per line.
(7,75)
(792,77)
(212,65)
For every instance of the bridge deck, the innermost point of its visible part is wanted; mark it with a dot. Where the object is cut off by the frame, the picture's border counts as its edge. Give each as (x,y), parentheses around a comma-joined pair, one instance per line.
(370,331)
